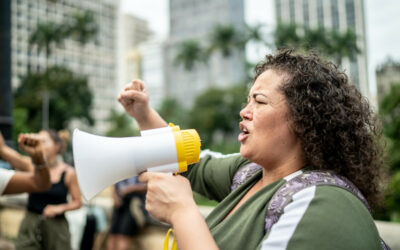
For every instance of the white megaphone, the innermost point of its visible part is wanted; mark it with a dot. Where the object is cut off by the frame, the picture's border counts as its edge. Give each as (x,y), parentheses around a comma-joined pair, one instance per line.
(102,161)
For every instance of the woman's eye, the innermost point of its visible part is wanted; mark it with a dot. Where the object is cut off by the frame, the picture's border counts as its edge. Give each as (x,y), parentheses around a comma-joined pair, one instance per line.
(260,101)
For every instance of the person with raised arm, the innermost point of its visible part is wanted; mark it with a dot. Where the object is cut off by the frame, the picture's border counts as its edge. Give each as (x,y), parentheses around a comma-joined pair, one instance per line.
(44,225)
(14,182)
(310,162)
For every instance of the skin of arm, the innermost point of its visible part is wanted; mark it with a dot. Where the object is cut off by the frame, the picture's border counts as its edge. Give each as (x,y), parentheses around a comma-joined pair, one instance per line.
(117,200)
(72,184)
(16,160)
(170,199)
(38,179)
(135,101)
(21,182)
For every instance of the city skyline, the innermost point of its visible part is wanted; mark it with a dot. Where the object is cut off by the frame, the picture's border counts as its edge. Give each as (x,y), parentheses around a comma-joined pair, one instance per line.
(381,24)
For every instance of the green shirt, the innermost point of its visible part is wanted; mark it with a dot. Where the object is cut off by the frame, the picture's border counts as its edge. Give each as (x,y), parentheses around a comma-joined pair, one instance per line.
(319,217)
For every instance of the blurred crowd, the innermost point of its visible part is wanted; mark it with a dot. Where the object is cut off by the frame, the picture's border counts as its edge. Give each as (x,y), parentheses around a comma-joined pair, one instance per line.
(40,170)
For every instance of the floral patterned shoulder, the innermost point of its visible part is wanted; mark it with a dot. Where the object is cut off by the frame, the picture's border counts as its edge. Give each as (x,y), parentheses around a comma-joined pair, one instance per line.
(284,195)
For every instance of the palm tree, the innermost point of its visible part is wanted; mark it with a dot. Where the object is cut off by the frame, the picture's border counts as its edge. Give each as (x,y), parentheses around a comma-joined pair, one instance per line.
(189,53)
(344,45)
(331,43)
(83,27)
(45,36)
(225,38)
(255,34)
(285,35)
(317,39)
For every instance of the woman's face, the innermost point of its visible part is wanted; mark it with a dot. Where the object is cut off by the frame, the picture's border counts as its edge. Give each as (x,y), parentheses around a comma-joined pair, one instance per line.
(266,137)
(50,148)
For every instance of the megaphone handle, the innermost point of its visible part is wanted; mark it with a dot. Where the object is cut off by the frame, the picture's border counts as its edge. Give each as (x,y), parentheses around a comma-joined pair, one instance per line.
(166,240)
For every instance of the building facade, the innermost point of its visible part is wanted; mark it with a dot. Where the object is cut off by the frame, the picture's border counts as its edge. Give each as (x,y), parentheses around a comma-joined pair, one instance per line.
(194,20)
(152,65)
(132,32)
(332,14)
(387,75)
(96,59)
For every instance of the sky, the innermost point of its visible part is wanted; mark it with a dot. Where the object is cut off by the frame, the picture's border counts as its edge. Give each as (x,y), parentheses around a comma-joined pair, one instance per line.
(382,25)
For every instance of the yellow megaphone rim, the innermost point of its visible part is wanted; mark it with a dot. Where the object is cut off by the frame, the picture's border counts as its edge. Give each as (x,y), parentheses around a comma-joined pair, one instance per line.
(187,146)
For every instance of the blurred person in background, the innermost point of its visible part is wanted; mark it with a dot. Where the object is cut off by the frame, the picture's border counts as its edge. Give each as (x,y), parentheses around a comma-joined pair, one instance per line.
(13,182)
(302,118)
(129,214)
(44,225)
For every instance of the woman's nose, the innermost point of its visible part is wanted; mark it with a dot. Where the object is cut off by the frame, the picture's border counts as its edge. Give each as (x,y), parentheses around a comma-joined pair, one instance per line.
(245,113)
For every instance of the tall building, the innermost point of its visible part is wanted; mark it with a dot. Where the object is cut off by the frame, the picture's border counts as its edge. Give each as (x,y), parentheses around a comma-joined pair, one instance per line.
(194,20)
(387,75)
(132,32)
(152,65)
(97,59)
(332,14)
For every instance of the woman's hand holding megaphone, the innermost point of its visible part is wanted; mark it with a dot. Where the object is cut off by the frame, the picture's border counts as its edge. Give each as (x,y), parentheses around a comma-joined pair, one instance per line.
(169,198)
(135,101)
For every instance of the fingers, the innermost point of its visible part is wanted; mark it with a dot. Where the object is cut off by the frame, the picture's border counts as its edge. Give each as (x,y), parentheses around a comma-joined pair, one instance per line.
(145,177)
(30,143)
(136,84)
(31,140)
(127,97)
(2,141)
(1,137)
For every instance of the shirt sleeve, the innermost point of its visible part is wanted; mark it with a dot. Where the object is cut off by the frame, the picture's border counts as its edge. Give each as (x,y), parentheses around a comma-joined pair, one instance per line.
(323,218)
(5,177)
(212,175)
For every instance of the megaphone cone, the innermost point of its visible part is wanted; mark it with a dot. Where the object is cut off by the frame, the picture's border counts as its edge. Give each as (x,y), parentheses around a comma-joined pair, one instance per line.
(102,161)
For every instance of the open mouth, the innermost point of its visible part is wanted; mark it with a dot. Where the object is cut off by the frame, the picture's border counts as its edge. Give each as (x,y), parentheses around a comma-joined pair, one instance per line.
(244,133)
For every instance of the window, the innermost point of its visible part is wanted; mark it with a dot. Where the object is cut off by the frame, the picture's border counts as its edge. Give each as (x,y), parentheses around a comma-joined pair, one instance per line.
(278,10)
(306,14)
(335,14)
(292,12)
(320,13)
(350,14)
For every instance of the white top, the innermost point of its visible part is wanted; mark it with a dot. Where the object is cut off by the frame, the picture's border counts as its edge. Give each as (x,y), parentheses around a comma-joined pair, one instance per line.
(5,177)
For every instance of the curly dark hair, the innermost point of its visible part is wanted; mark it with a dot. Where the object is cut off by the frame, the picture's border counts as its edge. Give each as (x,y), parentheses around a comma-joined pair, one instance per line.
(334,122)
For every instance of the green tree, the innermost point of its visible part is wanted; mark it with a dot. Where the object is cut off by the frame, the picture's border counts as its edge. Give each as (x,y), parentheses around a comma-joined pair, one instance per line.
(70,97)
(332,43)
(121,125)
(83,27)
(225,39)
(317,38)
(172,111)
(189,54)
(46,35)
(20,122)
(286,35)
(390,112)
(254,34)
(343,45)
(215,115)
